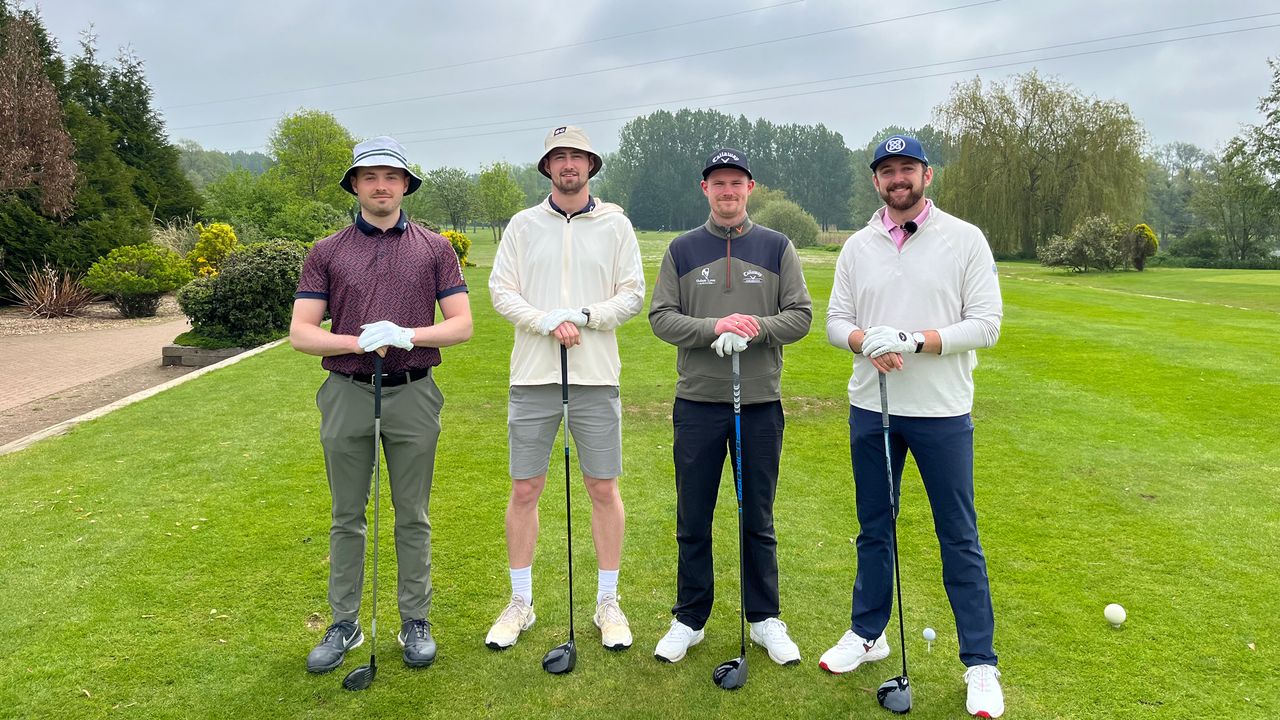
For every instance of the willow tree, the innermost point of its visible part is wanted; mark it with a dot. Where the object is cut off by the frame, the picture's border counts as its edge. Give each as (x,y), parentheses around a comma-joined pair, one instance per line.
(1034,156)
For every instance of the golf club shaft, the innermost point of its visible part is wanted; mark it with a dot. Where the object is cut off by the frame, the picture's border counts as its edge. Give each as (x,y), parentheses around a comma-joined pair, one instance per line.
(568,510)
(377,463)
(893,510)
(737,459)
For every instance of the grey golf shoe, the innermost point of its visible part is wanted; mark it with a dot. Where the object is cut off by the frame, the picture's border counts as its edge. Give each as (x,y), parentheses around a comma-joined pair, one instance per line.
(419,646)
(339,638)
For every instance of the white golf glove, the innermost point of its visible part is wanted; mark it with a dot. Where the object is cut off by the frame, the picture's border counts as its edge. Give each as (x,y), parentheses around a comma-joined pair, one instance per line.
(385,332)
(554,318)
(729,343)
(884,339)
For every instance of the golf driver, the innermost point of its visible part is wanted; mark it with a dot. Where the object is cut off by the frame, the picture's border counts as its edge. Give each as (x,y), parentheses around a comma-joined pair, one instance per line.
(362,677)
(893,694)
(732,674)
(561,658)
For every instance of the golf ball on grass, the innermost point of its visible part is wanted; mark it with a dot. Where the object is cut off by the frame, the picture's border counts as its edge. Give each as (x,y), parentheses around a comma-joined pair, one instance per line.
(1114,614)
(930,635)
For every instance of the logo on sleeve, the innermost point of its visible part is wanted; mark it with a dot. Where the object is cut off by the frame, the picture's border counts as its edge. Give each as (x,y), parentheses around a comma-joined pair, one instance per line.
(706,278)
(752,277)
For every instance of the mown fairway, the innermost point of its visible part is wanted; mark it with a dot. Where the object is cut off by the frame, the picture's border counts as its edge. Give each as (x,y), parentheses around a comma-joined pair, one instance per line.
(169,560)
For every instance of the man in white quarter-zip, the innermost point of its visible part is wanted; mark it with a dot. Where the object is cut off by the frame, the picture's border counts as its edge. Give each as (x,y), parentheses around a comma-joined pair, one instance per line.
(915,296)
(567,273)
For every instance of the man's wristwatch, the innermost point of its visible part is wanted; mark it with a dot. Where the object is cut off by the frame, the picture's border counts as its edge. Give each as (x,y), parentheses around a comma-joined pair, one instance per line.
(587,311)
(919,338)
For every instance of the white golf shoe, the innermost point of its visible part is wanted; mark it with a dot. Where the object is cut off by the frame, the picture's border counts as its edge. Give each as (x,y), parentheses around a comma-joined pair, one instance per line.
(771,634)
(673,646)
(615,631)
(852,651)
(516,617)
(985,699)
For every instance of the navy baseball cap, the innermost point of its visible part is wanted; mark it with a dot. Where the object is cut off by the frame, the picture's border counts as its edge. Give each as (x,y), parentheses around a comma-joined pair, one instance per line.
(901,146)
(727,158)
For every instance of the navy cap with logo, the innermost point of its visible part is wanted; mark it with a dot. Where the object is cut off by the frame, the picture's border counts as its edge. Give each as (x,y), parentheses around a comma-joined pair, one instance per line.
(899,146)
(727,158)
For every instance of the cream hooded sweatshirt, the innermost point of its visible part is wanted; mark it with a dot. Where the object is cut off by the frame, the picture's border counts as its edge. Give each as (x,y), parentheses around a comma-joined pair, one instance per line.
(546,262)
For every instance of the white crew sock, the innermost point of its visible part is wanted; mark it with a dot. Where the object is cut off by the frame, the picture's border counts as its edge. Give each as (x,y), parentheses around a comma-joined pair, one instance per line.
(607,584)
(522,583)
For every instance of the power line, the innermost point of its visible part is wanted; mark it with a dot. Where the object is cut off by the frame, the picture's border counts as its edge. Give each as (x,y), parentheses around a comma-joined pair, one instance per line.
(584,73)
(873,73)
(875,83)
(488,59)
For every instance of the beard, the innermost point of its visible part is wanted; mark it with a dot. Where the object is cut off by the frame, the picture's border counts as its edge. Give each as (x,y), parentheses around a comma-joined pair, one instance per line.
(569,185)
(373,209)
(913,196)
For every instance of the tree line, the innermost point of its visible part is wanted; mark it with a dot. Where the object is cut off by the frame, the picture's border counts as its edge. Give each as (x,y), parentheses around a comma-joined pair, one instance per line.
(86,166)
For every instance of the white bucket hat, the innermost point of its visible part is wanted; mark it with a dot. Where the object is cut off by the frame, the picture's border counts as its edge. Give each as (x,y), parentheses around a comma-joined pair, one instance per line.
(380,151)
(568,136)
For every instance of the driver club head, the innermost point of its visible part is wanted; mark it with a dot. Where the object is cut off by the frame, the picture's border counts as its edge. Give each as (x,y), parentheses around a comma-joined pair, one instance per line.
(361,678)
(561,659)
(730,674)
(894,695)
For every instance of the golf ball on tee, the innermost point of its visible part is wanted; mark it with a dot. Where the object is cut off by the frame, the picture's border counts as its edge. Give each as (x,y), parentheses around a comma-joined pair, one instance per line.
(1114,614)
(930,635)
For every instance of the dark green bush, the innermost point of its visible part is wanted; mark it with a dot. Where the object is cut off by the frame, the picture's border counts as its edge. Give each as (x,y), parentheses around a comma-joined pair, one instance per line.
(791,220)
(135,277)
(250,301)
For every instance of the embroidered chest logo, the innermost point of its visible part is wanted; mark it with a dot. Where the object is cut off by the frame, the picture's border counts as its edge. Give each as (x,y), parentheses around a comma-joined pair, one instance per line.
(752,277)
(706,278)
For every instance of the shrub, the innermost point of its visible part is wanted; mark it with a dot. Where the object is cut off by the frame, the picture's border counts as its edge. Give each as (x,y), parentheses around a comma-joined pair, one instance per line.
(216,242)
(1142,245)
(134,277)
(48,292)
(250,301)
(1095,242)
(791,220)
(461,245)
(762,197)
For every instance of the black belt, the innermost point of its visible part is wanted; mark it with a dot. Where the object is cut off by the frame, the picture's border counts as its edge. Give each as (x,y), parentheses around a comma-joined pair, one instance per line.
(390,379)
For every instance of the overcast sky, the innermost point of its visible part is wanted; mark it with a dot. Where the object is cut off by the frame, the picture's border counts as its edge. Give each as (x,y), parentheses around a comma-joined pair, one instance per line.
(225,72)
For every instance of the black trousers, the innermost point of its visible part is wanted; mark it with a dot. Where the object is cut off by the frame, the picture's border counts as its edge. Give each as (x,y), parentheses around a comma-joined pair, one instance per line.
(704,438)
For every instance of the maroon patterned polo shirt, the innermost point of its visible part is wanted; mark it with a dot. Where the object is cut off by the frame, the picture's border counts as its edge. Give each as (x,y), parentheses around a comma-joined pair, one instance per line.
(366,275)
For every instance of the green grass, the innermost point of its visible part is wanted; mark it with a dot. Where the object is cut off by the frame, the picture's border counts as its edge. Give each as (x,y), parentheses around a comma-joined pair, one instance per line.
(164,561)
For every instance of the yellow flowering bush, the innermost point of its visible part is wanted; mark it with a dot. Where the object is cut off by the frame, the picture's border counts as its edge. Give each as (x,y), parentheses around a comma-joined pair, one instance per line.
(461,245)
(216,242)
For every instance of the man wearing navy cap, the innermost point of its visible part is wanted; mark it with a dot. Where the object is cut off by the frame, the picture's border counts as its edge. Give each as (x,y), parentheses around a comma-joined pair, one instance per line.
(915,296)
(380,279)
(728,287)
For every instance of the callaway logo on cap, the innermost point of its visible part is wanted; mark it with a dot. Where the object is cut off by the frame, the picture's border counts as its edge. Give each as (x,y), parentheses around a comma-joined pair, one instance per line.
(726,158)
(559,130)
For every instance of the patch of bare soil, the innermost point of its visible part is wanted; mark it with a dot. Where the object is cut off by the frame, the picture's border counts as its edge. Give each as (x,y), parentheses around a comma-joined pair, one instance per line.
(18,321)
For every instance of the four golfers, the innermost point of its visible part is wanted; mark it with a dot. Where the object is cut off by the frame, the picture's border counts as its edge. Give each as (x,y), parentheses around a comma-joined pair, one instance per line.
(915,295)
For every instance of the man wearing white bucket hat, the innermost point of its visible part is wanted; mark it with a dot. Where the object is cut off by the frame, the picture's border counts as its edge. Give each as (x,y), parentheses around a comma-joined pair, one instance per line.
(567,274)
(380,280)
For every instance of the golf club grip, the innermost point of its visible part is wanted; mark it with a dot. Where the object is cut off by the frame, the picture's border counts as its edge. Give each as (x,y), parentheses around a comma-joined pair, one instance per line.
(377,385)
(564,375)
(884,399)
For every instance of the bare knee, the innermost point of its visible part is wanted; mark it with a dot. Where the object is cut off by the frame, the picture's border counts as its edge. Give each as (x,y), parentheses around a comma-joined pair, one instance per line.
(603,492)
(525,493)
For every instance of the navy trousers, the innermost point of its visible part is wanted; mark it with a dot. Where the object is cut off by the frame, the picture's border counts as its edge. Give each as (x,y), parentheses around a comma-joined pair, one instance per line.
(704,438)
(943,450)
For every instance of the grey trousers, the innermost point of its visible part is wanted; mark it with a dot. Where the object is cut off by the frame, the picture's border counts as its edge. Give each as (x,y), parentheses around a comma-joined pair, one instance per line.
(410,429)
